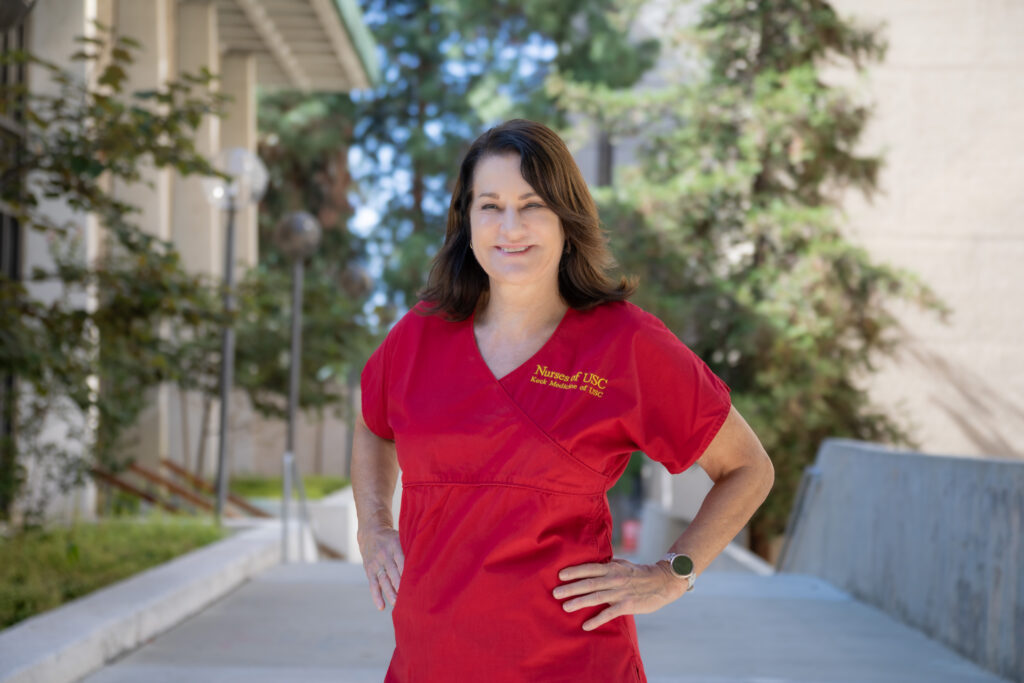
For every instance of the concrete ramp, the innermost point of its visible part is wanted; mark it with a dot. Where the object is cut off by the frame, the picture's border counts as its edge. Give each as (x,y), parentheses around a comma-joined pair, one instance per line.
(936,541)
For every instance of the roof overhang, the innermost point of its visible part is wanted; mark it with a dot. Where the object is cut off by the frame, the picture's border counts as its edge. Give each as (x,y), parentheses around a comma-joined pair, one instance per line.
(308,45)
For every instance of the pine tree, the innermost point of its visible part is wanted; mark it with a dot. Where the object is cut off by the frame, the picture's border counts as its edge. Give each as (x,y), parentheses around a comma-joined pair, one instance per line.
(732,221)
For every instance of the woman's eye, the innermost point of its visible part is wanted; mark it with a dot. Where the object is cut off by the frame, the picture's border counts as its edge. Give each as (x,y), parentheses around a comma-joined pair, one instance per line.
(531,204)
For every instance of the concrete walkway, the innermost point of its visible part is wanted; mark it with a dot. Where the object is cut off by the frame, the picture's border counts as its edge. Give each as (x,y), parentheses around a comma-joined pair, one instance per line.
(316,623)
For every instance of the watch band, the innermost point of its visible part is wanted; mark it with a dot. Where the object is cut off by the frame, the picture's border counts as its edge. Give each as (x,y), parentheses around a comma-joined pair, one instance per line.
(690,578)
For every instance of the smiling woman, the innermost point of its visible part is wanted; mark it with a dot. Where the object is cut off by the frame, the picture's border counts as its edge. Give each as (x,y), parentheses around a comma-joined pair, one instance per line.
(518,185)
(512,397)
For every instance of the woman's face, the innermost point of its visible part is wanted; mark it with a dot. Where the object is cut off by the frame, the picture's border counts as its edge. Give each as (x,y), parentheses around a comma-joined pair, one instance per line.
(516,238)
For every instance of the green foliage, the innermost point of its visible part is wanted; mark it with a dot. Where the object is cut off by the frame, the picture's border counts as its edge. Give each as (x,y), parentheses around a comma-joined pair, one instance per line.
(152,322)
(154,319)
(122,503)
(316,485)
(42,569)
(625,485)
(304,141)
(731,220)
(332,338)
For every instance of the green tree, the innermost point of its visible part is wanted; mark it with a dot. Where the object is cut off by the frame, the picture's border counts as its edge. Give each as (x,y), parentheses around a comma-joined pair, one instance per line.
(304,140)
(152,320)
(731,219)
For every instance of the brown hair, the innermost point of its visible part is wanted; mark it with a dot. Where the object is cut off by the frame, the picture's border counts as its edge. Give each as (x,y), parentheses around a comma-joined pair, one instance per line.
(457,281)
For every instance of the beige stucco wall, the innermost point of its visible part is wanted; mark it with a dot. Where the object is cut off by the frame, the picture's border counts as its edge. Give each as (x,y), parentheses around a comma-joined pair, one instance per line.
(320,446)
(257,443)
(949,98)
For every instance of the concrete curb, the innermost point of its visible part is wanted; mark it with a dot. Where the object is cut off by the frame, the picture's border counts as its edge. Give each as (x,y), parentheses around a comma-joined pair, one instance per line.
(749,560)
(71,641)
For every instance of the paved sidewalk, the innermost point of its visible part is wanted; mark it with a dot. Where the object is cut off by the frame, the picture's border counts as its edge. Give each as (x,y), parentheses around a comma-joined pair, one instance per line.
(316,623)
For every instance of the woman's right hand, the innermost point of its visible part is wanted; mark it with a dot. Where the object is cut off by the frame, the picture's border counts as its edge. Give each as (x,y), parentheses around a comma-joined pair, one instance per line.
(383,562)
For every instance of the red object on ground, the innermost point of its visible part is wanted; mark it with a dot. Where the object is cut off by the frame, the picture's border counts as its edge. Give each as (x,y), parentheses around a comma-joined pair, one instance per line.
(630,534)
(505,483)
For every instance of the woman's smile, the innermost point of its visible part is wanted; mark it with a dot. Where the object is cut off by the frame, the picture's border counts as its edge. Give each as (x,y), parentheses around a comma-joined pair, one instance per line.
(513,250)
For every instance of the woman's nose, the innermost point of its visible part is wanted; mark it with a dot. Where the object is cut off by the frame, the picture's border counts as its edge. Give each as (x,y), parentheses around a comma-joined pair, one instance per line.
(510,222)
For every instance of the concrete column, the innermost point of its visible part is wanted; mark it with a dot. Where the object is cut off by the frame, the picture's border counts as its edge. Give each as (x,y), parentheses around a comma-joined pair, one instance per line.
(238,79)
(196,226)
(50,31)
(149,23)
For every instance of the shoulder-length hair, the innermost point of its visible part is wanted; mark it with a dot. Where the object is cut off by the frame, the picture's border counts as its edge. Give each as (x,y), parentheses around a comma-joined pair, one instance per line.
(457,282)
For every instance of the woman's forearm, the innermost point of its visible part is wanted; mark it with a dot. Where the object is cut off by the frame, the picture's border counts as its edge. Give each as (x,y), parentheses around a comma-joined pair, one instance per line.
(728,506)
(374,475)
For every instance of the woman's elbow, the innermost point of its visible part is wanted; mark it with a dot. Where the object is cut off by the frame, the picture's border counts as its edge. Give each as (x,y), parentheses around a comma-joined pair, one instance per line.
(766,471)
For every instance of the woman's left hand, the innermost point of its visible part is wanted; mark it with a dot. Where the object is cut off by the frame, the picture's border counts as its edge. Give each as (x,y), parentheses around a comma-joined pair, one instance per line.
(627,588)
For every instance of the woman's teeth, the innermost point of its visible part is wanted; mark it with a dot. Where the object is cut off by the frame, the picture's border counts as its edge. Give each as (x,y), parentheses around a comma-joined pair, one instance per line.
(513,251)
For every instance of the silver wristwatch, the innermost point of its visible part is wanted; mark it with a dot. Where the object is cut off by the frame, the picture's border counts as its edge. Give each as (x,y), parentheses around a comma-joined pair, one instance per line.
(681,566)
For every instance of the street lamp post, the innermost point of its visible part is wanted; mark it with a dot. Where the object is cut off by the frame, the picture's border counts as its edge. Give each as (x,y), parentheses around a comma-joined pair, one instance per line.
(297,235)
(247,184)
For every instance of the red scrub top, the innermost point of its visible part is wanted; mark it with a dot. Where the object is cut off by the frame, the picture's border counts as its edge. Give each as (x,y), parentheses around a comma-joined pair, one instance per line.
(505,480)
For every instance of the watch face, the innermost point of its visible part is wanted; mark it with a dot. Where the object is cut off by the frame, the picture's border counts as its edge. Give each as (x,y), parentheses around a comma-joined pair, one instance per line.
(682,565)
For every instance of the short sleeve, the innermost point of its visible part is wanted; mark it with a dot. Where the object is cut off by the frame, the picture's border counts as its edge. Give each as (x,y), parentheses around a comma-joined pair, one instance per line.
(680,404)
(373,387)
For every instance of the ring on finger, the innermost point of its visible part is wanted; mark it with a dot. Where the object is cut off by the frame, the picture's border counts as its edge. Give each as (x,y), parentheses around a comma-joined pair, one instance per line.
(382,569)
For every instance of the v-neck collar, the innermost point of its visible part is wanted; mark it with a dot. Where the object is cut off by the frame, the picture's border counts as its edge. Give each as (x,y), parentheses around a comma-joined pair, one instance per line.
(526,363)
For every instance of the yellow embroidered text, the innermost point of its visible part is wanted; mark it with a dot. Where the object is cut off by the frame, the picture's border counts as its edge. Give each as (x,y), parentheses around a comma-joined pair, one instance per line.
(580,380)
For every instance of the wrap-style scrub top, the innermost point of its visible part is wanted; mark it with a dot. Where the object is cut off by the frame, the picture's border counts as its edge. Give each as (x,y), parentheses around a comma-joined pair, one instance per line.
(505,481)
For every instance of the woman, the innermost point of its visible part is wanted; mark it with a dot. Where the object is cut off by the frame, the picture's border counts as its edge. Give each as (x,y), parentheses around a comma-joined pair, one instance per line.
(512,396)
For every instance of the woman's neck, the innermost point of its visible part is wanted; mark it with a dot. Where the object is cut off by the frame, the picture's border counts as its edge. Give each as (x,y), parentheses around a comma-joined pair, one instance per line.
(520,311)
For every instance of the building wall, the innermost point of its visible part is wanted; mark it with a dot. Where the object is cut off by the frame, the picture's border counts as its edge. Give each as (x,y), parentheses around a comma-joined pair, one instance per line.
(949,98)
(169,426)
(321,446)
(257,443)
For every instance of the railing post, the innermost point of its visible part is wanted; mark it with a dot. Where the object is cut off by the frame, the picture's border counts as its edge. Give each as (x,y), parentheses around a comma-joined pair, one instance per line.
(302,522)
(287,466)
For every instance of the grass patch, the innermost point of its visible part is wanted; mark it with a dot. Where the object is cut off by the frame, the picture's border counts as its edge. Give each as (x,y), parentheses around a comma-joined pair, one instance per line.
(317,486)
(42,569)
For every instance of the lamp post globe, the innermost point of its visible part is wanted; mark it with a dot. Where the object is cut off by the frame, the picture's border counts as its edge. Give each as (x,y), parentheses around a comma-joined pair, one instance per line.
(297,235)
(248,179)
